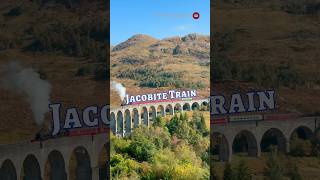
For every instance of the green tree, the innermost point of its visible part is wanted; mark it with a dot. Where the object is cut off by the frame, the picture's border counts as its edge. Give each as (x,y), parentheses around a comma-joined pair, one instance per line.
(228,172)
(299,147)
(141,148)
(173,124)
(273,169)
(293,172)
(159,122)
(242,171)
(213,173)
(122,166)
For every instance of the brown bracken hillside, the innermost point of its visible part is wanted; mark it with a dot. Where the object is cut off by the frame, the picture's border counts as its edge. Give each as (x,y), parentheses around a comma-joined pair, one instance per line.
(269,45)
(144,64)
(64,42)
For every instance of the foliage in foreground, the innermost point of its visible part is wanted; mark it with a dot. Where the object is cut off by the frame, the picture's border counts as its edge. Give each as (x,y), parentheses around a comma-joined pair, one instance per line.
(177,149)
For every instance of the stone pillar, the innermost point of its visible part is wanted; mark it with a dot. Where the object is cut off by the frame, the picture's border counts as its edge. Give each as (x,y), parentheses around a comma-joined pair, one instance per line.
(18,167)
(95,173)
(287,146)
(258,151)
(229,158)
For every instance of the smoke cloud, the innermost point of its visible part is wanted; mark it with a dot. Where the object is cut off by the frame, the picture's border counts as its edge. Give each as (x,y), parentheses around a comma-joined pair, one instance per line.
(121,90)
(27,82)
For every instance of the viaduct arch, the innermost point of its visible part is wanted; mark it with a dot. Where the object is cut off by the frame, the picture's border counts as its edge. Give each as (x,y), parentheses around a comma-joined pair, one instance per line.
(254,137)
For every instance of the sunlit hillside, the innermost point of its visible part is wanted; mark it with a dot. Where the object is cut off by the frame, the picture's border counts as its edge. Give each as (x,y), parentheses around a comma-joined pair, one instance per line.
(144,64)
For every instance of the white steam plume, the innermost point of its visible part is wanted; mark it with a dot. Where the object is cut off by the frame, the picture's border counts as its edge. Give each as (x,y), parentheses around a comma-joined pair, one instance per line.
(28,83)
(121,90)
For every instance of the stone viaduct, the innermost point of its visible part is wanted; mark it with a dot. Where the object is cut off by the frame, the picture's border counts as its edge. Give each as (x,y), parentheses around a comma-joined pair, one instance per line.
(125,118)
(80,157)
(255,132)
(62,158)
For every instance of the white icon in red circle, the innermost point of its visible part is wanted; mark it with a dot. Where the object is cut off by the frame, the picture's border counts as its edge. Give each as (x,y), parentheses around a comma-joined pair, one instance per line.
(196,15)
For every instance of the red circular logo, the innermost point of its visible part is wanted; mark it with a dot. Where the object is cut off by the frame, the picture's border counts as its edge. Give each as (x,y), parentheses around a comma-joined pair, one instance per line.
(196,15)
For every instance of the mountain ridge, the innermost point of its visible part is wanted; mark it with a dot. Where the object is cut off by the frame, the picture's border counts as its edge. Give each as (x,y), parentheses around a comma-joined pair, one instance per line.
(143,61)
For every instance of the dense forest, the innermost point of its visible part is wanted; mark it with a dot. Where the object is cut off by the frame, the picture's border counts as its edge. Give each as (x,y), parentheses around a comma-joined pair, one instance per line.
(173,149)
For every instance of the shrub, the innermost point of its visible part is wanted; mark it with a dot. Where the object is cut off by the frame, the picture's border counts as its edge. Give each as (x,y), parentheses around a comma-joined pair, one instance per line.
(141,149)
(223,41)
(223,68)
(131,60)
(273,169)
(228,172)
(83,38)
(213,173)
(16,11)
(302,6)
(293,172)
(119,145)
(101,72)
(189,171)
(121,166)
(162,167)
(261,73)
(152,153)
(83,71)
(299,147)
(159,122)
(288,76)
(242,171)
(198,123)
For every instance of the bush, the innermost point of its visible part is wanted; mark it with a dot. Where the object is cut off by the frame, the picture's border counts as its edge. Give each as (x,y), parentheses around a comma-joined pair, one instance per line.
(262,74)
(213,173)
(159,122)
(16,11)
(154,78)
(293,172)
(198,123)
(121,166)
(299,147)
(224,69)
(302,6)
(228,172)
(288,76)
(242,171)
(118,145)
(101,72)
(83,71)
(152,153)
(132,60)
(85,38)
(223,41)
(273,169)
(141,149)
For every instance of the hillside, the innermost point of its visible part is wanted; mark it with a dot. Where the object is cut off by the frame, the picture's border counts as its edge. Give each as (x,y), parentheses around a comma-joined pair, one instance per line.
(269,45)
(62,44)
(145,64)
